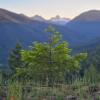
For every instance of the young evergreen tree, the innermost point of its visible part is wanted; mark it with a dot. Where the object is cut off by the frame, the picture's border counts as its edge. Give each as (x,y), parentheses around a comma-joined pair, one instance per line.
(50,60)
(14,58)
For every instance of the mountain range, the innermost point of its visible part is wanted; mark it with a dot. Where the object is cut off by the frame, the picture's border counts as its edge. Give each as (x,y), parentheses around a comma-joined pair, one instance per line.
(82,31)
(57,20)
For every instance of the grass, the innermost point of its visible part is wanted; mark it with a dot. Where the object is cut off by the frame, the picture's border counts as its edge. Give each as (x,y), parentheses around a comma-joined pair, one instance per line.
(80,88)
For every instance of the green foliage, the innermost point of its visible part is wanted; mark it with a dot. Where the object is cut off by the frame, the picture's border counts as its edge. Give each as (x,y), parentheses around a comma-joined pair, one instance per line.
(93,57)
(98,98)
(14,91)
(92,75)
(50,60)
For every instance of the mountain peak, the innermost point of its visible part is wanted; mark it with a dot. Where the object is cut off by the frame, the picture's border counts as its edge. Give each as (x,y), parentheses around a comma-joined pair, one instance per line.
(38,18)
(57,17)
(59,20)
(7,16)
(91,15)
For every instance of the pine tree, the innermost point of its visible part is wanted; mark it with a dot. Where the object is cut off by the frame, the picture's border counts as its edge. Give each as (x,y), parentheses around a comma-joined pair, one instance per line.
(49,61)
(14,59)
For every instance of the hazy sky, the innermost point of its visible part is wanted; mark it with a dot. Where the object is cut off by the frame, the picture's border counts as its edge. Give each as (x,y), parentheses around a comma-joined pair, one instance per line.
(49,8)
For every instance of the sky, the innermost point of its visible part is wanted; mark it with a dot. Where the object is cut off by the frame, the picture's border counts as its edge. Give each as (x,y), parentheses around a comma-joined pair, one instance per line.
(50,8)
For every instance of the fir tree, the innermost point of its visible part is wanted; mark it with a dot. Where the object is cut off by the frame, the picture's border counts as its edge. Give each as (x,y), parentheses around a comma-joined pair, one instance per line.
(14,59)
(49,61)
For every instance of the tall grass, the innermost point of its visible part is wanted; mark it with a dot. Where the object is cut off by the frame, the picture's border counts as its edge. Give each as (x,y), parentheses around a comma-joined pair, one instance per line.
(32,90)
